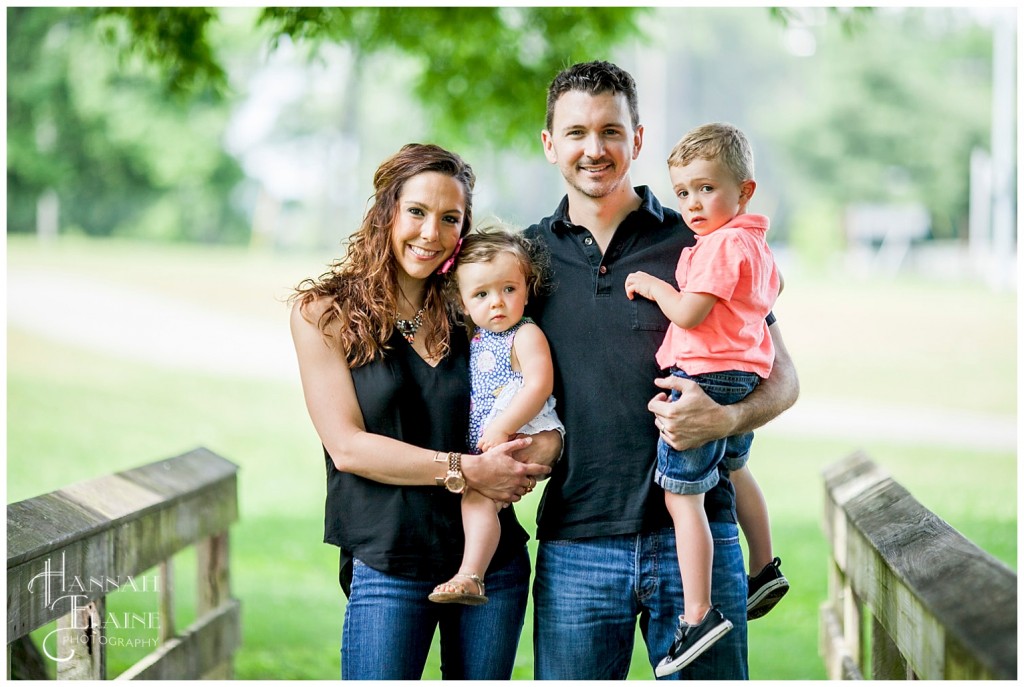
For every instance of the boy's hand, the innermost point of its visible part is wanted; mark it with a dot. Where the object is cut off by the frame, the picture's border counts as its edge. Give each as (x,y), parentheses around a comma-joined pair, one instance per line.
(641,284)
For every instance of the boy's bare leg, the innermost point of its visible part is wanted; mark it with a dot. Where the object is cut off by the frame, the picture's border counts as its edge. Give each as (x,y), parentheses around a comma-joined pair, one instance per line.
(752,512)
(694,547)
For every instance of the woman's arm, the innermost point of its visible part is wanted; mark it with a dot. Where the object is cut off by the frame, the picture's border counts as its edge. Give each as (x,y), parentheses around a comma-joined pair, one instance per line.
(334,409)
(530,350)
(694,419)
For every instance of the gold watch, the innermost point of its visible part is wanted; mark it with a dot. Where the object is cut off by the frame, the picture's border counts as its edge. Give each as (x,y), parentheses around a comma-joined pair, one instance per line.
(454,480)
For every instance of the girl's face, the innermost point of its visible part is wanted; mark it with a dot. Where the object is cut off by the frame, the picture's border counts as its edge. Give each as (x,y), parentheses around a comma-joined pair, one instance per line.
(428,223)
(493,293)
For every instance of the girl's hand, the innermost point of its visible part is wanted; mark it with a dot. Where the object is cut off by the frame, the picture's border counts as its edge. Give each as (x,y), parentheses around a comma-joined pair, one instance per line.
(491,437)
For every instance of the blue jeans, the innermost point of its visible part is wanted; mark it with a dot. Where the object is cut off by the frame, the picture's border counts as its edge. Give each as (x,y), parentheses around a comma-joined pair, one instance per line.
(389,624)
(695,470)
(588,593)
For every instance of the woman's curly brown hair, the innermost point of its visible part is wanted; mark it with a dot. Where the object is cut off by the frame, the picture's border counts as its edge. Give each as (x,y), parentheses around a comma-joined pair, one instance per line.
(362,286)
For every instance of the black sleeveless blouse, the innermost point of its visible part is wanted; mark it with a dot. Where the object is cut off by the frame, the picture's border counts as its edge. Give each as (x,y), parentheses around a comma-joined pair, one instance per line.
(409,531)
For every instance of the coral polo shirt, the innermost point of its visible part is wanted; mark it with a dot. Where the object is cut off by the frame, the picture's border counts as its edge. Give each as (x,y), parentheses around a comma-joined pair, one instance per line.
(734,264)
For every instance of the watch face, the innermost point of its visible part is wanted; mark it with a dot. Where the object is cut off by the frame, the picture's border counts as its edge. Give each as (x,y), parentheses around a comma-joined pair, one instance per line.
(455,483)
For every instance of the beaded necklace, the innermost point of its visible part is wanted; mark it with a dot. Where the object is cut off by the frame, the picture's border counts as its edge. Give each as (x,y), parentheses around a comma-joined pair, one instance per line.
(408,328)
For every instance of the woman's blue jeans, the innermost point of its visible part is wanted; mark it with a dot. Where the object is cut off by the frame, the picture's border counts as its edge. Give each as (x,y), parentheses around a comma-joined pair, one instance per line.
(588,593)
(389,624)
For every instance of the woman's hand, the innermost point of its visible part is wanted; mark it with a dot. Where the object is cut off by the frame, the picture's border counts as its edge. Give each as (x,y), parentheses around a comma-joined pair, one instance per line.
(499,476)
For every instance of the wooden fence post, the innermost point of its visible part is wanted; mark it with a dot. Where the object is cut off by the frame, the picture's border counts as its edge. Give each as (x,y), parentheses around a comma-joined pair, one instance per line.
(101,532)
(81,643)
(937,606)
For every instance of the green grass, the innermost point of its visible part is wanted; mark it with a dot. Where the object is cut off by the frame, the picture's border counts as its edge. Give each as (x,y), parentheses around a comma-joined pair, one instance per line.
(74,414)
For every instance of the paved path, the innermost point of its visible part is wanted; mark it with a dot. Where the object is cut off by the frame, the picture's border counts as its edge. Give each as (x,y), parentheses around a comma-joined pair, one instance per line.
(152,328)
(148,327)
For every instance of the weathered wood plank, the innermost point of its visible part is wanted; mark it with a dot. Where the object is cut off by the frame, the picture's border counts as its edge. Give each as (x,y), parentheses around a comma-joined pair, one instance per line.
(886,661)
(213,582)
(937,595)
(81,650)
(839,663)
(52,521)
(166,605)
(81,539)
(201,648)
(116,554)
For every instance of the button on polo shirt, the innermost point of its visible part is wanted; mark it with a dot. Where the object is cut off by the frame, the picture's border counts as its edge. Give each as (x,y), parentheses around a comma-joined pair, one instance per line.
(603,347)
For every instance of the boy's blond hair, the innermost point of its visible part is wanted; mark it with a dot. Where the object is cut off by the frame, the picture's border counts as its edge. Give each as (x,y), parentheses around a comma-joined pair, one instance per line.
(716,141)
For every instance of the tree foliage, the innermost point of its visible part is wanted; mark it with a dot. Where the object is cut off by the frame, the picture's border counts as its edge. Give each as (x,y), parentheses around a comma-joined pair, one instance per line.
(100,132)
(478,67)
(892,115)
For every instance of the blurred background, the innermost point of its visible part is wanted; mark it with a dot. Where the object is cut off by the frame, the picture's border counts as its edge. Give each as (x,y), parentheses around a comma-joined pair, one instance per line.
(172,173)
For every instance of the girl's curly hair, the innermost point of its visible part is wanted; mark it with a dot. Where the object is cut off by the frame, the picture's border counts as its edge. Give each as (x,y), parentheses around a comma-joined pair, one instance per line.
(362,286)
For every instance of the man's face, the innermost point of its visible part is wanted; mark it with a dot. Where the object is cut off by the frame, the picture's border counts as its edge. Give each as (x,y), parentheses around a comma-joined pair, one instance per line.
(592,141)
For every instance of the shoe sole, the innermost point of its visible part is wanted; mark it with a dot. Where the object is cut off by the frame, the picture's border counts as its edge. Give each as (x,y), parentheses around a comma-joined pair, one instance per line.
(766,598)
(457,598)
(696,650)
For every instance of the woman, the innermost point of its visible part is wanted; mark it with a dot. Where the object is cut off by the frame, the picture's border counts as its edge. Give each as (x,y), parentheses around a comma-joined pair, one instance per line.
(385,377)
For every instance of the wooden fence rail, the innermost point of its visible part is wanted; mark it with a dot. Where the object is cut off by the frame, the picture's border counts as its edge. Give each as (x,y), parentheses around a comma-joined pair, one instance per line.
(909,590)
(68,549)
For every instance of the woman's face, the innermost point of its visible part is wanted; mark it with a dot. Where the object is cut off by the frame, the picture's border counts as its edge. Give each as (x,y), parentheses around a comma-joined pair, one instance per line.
(428,223)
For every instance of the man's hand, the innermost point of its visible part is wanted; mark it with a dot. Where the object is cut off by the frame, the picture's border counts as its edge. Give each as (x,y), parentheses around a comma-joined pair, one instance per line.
(691,421)
(545,449)
(695,419)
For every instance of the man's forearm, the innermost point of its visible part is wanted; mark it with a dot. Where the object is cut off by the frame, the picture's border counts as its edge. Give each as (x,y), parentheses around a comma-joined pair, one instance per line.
(773,395)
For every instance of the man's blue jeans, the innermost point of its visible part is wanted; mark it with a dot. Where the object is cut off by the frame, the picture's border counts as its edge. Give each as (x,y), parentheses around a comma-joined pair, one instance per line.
(588,593)
(389,624)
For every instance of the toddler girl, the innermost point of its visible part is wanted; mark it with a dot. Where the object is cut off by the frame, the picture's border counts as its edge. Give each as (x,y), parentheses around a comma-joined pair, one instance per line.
(511,376)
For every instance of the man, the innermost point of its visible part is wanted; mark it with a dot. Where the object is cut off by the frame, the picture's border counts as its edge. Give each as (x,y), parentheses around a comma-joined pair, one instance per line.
(607,548)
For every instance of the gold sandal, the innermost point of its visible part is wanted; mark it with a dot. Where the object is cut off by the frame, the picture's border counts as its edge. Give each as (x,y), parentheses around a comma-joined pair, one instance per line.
(462,597)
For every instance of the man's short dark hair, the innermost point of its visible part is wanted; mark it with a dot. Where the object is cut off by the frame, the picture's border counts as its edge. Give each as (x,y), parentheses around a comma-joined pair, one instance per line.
(593,78)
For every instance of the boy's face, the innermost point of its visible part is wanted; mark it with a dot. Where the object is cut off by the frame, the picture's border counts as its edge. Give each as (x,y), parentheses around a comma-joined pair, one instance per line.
(708,194)
(493,293)
(592,141)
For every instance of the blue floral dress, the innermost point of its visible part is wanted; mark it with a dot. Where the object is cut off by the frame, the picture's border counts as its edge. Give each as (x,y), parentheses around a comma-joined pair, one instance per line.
(495,383)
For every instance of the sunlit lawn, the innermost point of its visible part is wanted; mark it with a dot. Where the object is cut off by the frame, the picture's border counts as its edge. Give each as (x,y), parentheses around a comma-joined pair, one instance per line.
(74,414)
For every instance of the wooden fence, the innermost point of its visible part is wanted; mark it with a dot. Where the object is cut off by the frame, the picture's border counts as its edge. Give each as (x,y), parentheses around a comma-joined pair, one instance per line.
(908,594)
(68,549)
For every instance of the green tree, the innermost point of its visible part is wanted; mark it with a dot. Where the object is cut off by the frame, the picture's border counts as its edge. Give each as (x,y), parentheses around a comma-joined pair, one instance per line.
(477,67)
(100,132)
(891,114)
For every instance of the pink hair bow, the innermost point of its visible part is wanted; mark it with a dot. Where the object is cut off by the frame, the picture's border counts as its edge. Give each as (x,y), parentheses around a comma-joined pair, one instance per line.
(450,261)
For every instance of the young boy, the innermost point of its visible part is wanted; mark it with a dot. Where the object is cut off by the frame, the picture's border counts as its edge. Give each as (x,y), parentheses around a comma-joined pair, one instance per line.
(718,338)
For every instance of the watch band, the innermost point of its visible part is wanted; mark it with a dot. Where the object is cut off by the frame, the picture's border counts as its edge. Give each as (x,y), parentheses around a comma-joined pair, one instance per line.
(454,460)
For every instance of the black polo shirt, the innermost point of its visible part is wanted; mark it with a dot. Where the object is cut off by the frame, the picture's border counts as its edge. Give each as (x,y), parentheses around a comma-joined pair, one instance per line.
(603,347)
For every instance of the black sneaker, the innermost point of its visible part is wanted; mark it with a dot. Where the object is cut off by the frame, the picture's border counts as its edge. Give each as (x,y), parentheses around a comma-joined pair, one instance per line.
(693,640)
(765,589)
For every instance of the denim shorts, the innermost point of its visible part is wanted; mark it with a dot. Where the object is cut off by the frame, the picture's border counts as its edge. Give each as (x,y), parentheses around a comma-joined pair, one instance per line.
(695,470)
